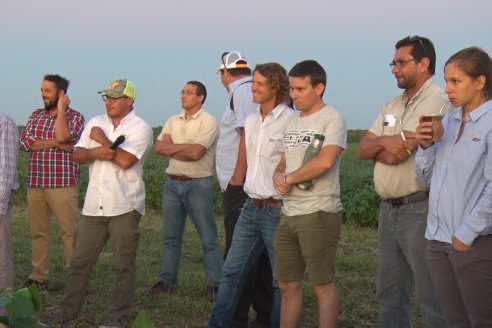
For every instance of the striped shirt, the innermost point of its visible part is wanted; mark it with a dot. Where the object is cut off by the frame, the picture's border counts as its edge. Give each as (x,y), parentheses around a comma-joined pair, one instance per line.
(9,144)
(51,167)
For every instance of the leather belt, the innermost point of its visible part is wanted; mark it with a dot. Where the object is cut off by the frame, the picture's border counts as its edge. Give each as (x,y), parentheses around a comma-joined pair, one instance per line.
(409,199)
(269,202)
(179,177)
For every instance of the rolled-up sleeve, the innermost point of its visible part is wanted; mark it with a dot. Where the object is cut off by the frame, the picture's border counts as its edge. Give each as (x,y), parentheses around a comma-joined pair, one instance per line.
(424,162)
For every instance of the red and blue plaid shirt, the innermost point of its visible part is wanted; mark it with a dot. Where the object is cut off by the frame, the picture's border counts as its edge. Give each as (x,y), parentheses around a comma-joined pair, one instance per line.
(51,167)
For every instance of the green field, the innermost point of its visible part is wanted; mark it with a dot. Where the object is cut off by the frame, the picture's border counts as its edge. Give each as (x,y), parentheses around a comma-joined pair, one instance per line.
(356,260)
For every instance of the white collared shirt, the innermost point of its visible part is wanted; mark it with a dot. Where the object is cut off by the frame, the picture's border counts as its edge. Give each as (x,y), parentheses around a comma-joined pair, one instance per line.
(263,150)
(112,190)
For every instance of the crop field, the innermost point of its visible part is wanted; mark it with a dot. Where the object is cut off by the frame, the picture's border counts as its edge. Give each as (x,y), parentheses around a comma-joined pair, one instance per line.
(356,258)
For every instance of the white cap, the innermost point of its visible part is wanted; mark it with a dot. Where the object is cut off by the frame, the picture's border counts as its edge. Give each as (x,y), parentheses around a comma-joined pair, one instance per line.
(233,59)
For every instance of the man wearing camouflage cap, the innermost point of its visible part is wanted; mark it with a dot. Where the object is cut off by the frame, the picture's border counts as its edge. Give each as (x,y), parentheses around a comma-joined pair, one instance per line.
(114,203)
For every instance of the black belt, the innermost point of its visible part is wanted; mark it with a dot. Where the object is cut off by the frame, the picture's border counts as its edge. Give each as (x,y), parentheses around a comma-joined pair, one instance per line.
(269,202)
(409,199)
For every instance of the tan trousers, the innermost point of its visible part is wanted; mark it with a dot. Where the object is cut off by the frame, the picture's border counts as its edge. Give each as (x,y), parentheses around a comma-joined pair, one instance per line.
(42,203)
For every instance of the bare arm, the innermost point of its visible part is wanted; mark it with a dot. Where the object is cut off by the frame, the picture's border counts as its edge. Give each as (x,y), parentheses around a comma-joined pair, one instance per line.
(50,143)
(98,135)
(183,152)
(389,150)
(239,175)
(62,130)
(281,187)
(321,163)
(120,157)
(191,153)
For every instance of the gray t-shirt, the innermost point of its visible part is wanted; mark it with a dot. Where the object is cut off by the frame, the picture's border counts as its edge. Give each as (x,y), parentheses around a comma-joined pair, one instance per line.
(300,131)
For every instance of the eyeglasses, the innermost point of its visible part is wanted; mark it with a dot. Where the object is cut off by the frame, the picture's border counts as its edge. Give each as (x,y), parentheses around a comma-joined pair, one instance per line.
(109,99)
(399,63)
(186,92)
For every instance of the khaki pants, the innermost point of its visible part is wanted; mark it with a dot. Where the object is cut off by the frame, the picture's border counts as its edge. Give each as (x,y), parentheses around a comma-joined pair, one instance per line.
(92,234)
(42,203)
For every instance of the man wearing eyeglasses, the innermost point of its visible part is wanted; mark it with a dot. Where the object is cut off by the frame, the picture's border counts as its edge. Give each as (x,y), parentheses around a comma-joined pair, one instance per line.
(52,175)
(235,75)
(189,140)
(391,145)
(113,206)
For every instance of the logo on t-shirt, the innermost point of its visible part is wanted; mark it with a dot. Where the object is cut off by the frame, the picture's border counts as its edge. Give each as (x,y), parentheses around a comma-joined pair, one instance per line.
(298,139)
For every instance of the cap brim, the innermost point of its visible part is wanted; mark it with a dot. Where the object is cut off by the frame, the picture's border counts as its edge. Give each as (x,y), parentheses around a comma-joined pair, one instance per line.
(111,93)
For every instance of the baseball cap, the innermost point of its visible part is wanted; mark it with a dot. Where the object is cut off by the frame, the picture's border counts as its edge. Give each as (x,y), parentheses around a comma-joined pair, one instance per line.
(233,59)
(119,89)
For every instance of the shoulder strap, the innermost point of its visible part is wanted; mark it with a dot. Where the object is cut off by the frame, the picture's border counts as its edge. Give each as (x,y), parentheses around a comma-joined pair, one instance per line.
(231,104)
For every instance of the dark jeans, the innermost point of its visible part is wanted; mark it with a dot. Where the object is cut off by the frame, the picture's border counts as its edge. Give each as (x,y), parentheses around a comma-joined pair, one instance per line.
(258,289)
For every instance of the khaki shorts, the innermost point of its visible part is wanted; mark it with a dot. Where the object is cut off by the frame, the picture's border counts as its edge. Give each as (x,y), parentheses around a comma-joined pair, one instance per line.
(307,243)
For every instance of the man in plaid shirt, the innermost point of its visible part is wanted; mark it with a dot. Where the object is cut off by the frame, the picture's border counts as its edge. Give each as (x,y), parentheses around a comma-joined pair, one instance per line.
(53,176)
(9,144)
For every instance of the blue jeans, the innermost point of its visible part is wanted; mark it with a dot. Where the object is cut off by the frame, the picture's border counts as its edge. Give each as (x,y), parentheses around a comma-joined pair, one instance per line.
(253,234)
(401,262)
(196,199)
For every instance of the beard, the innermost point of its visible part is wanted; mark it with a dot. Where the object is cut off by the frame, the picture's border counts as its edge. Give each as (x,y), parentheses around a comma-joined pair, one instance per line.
(49,105)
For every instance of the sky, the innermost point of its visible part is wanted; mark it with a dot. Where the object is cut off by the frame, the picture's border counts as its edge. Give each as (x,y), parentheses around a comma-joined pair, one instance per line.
(161,44)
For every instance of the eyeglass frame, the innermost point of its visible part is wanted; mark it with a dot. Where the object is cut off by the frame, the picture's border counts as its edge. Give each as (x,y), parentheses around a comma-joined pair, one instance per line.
(399,63)
(411,38)
(110,99)
(188,93)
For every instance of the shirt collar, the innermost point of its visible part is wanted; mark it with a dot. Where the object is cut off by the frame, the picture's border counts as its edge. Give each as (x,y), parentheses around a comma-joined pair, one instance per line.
(129,116)
(276,112)
(231,87)
(476,114)
(183,114)
(424,87)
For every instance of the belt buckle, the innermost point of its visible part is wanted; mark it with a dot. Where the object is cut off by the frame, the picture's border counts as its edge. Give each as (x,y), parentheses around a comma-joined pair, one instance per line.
(258,203)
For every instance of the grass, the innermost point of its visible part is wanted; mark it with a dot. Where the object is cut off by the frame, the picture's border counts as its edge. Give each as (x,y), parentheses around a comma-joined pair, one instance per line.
(189,307)
(356,257)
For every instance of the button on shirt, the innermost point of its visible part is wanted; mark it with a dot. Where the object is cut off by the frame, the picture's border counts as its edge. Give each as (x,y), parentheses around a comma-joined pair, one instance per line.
(263,150)
(9,145)
(112,190)
(460,176)
(231,122)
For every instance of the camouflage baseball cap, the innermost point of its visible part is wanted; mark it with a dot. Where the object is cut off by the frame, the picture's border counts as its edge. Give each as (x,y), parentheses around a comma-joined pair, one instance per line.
(119,89)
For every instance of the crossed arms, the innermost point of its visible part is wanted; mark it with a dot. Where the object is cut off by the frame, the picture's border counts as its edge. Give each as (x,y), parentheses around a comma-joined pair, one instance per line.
(120,157)
(390,150)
